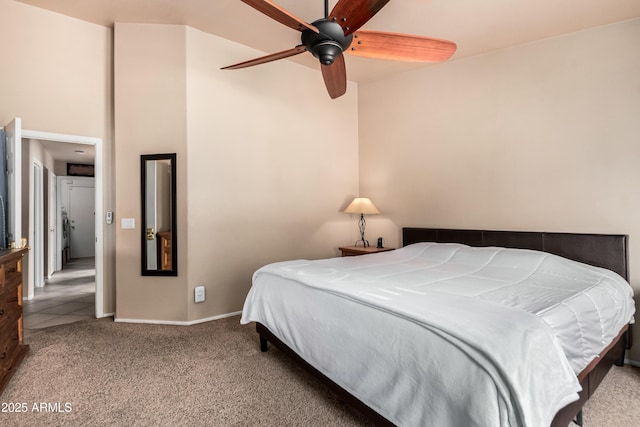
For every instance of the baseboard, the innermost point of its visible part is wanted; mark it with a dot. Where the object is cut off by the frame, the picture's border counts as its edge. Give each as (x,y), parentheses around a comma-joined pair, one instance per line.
(632,362)
(177,322)
(106,315)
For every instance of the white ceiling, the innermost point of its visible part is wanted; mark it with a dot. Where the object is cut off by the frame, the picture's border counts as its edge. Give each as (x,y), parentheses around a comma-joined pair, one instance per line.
(476,26)
(71,153)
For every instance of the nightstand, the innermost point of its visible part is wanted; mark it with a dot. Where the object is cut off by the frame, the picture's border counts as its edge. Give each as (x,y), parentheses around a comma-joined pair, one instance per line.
(359,250)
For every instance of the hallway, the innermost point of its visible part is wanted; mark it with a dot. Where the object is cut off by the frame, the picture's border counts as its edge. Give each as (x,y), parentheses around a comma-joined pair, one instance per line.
(68,297)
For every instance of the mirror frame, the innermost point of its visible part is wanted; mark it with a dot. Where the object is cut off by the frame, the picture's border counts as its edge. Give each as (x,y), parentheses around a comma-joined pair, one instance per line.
(174,242)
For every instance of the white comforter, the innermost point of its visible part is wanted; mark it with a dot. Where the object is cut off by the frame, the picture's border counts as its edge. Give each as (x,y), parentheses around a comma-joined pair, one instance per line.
(445,334)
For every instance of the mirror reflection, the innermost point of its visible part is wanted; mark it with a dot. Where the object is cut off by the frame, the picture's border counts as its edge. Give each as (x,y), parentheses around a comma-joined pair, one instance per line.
(159,249)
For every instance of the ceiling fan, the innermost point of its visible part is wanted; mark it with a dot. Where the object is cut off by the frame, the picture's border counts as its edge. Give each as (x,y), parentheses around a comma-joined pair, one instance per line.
(339,31)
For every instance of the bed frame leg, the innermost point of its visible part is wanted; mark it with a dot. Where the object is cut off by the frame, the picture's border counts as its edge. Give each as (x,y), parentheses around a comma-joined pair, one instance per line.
(578,419)
(620,360)
(626,339)
(263,344)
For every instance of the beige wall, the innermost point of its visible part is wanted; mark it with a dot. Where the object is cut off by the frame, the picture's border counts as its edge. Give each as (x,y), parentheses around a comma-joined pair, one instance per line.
(150,118)
(272,160)
(56,76)
(536,137)
(265,163)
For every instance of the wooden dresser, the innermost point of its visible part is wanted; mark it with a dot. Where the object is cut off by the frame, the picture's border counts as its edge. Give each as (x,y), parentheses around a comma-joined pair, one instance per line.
(12,348)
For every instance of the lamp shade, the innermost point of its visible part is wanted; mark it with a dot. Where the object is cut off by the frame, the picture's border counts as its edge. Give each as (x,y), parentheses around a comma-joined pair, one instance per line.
(361,205)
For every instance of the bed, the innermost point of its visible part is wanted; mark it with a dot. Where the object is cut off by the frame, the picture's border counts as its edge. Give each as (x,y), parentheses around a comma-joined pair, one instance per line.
(411,337)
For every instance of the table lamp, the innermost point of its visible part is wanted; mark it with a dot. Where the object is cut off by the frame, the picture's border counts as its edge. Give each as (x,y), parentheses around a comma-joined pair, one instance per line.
(362,205)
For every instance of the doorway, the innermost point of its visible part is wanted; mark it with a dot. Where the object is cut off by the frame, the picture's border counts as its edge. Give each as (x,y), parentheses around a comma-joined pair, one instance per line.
(15,136)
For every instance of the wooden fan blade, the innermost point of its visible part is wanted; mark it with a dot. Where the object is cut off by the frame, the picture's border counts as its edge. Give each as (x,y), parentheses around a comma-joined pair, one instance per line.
(274,11)
(273,57)
(353,14)
(400,47)
(335,77)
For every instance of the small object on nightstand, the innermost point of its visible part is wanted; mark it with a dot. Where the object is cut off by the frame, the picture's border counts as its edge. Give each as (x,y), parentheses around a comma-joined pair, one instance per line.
(379,243)
(359,250)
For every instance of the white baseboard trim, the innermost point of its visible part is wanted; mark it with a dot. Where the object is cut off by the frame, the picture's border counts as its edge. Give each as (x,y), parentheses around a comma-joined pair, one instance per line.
(177,322)
(106,315)
(632,362)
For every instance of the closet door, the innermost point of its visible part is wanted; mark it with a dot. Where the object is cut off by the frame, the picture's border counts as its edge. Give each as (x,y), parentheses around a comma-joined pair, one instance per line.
(52,224)
(82,234)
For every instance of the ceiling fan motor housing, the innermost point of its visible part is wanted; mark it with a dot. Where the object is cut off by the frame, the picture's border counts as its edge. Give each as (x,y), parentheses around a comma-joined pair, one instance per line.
(329,43)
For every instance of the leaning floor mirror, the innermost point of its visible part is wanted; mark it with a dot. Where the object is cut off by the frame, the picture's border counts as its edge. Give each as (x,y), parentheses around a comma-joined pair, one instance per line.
(159,248)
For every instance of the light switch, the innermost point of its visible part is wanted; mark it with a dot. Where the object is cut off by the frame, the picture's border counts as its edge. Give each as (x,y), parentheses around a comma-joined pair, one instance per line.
(128,223)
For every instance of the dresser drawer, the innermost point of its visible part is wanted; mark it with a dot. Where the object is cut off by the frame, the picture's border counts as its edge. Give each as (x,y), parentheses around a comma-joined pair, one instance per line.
(11,271)
(10,310)
(9,341)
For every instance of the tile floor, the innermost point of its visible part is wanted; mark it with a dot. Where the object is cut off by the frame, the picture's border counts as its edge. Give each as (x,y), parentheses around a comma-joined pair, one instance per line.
(67,297)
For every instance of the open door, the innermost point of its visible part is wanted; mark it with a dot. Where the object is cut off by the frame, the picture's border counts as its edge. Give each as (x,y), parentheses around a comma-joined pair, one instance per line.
(13,135)
(37,244)
(52,224)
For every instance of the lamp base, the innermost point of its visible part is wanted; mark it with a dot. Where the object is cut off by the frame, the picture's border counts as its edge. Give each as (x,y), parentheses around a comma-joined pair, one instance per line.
(362,224)
(365,243)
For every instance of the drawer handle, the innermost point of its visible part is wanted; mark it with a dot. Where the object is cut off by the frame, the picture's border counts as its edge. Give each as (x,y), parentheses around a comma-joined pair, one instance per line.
(12,270)
(3,356)
(1,311)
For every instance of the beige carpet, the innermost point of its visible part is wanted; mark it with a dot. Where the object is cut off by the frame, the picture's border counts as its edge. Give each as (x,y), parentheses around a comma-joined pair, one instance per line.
(98,372)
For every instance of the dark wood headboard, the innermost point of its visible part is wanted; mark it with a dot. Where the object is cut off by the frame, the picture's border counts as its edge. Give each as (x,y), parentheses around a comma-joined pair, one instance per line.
(602,250)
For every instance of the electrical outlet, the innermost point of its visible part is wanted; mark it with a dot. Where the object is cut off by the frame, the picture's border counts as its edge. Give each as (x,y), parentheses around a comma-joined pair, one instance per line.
(199,294)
